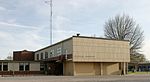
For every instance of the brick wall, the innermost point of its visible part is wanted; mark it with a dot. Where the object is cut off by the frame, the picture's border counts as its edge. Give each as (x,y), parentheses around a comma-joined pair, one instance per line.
(23,55)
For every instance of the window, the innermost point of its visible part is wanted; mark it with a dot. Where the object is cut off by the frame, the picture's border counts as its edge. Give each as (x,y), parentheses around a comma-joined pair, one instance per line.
(0,66)
(26,66)
(5,66)
(41,67)
(21,66)
(46,55)
(51,53)
(59,51)
(37,56)
(41,55)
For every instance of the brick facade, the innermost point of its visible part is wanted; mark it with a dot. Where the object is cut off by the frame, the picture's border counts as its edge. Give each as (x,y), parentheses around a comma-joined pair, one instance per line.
(23,55)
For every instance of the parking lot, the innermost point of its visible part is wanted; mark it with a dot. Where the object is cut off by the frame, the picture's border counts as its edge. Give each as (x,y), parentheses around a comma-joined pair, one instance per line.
(126,78)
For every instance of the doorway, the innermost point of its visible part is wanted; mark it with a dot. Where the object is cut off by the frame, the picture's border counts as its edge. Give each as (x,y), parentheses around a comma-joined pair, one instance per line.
(55,68)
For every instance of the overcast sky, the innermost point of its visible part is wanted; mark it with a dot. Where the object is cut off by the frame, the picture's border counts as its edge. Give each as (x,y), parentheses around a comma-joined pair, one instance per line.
(24,24)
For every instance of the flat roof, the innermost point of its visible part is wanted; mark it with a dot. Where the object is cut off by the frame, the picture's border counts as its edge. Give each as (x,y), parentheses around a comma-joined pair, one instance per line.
(98,38)
(79,37)
(54,44)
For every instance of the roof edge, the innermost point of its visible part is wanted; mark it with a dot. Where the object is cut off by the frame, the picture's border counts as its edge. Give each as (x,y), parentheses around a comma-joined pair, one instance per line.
(78,37)
(99,38)
(54,44)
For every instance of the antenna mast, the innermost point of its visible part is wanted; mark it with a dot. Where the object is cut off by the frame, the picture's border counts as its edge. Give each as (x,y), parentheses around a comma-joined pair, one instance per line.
(51,22)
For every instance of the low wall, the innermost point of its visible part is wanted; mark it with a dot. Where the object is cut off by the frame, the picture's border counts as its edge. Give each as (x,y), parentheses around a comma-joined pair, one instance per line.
(20,72)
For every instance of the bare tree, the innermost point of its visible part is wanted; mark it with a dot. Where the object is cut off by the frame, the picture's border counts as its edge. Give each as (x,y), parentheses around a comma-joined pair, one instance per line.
(138,58)
(9,58)
(125,28)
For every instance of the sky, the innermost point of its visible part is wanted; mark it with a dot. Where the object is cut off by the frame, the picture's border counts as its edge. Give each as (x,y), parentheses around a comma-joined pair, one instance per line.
(24,24)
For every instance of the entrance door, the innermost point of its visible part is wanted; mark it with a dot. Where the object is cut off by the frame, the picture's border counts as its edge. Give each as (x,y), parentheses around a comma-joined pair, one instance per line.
(55,68)
(59,68)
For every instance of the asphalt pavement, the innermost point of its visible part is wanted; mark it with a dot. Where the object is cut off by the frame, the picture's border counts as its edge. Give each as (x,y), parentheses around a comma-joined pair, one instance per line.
(116,78)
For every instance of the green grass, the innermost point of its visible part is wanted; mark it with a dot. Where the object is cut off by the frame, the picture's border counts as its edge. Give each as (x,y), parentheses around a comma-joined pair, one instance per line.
(138,72)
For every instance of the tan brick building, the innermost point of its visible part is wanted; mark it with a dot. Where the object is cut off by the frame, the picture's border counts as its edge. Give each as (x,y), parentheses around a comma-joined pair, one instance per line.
(79,55)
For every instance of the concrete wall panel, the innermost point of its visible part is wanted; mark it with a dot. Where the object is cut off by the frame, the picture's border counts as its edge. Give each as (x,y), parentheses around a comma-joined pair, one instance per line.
(100,50)
(84,68)
(68,68)
(13,66)
(35,66)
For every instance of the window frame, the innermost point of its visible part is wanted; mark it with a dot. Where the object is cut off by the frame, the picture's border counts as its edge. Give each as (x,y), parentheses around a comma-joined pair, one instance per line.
(24,66)
(21,66)
(27,66)
(46,55)
(41,56)
(52,53)
(42,67)
(5,64)
(37,56)
(0,67)
(59,51)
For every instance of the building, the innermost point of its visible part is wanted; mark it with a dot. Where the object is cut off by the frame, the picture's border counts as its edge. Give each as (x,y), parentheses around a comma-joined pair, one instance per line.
(23,55)
(81,55)
(77,55)
(139,67)
(22,63)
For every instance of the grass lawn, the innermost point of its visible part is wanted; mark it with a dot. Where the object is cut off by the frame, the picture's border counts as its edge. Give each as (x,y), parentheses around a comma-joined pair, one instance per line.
(138,72)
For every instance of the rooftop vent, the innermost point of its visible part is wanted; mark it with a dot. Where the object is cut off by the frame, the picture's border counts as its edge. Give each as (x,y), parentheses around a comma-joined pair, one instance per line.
(78,34)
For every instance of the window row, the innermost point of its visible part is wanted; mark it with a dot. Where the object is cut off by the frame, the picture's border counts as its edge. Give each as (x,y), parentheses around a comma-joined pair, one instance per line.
(22,66)
(44,55)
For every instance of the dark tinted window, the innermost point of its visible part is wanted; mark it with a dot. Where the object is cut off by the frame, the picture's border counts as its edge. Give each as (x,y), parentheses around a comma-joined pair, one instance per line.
(26,66)
(41,66)
(41,55)
(0,67)
(5,66)
(21,66)
(37,56)
(46,55)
